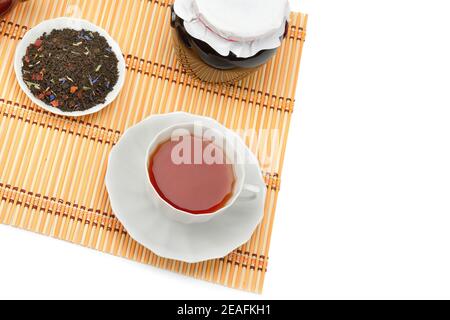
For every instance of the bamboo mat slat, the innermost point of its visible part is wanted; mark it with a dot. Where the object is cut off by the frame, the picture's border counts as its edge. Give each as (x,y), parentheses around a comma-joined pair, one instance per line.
(52,168)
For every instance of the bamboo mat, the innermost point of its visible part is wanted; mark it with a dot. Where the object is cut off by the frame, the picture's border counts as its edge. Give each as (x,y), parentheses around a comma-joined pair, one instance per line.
(52,168)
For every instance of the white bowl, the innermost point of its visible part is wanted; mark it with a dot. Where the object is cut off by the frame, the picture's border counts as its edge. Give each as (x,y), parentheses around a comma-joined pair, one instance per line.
(141,211)
(70,23)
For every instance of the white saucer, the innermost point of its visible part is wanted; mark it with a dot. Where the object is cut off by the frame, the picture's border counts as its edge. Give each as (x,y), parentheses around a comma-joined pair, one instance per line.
(71,23)
(127,186)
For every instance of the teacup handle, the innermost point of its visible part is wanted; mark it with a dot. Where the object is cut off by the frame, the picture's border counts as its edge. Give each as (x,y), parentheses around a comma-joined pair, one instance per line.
(249,192)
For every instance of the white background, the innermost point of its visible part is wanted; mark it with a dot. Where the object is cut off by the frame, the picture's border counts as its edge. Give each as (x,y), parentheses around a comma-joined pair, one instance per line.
(364,210)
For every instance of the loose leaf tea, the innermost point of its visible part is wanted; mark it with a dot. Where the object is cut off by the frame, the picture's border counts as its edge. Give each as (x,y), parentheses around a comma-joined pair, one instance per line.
(71,70)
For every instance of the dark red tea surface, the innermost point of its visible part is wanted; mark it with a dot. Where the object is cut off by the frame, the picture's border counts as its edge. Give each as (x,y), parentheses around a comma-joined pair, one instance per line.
(194,188)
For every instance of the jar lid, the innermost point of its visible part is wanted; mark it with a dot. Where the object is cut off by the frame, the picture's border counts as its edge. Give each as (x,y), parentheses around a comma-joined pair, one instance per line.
(243,27)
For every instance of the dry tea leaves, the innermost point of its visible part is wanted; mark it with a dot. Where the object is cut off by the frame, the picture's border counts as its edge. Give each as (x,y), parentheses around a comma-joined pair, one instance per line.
(71,70)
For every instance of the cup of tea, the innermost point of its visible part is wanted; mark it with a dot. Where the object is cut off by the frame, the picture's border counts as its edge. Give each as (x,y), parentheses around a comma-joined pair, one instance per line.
(195,172)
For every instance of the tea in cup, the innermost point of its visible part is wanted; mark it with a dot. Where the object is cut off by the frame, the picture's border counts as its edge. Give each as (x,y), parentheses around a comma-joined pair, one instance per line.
(196,172)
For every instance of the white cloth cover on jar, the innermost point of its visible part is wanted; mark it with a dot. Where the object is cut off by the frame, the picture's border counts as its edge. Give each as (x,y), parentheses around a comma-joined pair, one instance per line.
(243,27)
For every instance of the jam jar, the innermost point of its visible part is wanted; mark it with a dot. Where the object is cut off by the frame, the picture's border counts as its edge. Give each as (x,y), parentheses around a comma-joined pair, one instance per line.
(6,5)
(211,52)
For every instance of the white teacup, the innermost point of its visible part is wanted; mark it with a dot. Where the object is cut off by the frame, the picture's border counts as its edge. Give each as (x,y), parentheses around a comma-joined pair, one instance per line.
(223,140)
